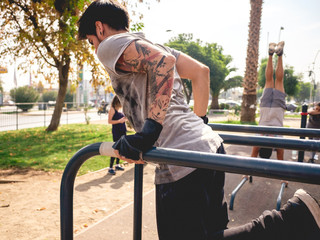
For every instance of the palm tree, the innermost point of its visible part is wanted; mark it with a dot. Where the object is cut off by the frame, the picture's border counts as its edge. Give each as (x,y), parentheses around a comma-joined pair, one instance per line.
(248,107)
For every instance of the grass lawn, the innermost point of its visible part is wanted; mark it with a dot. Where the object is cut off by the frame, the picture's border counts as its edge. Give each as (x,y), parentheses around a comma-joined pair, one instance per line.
(233,122)
(50,151)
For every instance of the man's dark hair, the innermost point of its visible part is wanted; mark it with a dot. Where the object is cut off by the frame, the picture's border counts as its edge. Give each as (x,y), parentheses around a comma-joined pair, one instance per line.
(265,152)
(105,11)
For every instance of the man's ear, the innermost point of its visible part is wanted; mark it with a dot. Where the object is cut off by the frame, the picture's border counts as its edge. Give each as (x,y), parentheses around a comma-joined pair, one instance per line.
(99,28)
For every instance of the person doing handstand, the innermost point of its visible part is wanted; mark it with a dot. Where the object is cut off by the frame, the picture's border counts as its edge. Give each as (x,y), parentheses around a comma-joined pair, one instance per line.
(272,105)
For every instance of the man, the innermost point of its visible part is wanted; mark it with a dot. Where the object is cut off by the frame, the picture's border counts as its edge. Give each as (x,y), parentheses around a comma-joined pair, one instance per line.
(147,79)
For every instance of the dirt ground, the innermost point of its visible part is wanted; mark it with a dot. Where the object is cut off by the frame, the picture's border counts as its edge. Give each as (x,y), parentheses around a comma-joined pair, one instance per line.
(30,208)
(29,200)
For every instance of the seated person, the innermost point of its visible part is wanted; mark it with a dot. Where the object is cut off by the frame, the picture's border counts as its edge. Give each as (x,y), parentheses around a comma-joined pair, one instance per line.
(314,122)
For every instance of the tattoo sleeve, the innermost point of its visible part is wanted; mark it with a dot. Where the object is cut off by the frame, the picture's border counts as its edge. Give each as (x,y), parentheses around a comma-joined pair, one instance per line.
(143,57)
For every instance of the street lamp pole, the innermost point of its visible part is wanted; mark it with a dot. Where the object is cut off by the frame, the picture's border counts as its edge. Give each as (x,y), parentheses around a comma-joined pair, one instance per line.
(281,28)
(313,83)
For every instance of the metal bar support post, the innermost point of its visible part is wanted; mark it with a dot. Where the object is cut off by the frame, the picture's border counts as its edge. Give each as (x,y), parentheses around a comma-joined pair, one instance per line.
(234,192)
(137,211)
(283,185)
(304,115)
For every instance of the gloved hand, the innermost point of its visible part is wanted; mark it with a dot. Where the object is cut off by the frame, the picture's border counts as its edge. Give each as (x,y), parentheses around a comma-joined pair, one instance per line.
(131,146)
(205,119)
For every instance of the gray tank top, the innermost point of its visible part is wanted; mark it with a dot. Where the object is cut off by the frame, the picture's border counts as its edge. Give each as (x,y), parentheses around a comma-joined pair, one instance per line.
(182,129)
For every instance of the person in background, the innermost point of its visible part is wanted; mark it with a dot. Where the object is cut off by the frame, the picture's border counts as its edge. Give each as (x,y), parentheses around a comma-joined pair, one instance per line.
(314,122)
(117,119)
(273,104)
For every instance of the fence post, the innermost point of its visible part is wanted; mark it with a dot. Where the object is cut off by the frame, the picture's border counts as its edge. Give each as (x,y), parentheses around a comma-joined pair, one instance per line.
(44,113)
(304,115)
(17,119)
(66,106)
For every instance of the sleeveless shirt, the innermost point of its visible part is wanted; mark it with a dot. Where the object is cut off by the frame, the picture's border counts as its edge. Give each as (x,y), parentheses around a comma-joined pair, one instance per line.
(182,128)
(118,129)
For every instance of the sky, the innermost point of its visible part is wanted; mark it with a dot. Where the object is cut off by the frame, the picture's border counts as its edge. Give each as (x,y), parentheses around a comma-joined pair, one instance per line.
(225,22)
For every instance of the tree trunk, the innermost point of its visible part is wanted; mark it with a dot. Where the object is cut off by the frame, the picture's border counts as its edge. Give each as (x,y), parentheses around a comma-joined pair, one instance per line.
(248,107)
(214,102)
(63,85)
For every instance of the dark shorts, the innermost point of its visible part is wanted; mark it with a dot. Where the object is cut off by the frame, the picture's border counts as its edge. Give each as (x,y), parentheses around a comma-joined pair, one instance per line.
(192,207)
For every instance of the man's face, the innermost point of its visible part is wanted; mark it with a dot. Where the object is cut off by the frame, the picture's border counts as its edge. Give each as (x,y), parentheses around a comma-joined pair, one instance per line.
(318,108)
(93,40)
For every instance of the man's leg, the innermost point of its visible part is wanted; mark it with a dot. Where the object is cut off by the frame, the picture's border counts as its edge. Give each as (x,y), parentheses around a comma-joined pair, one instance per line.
(269,69)
(280,154)
(279,70)
(299,219)
(255,152)
(193,207)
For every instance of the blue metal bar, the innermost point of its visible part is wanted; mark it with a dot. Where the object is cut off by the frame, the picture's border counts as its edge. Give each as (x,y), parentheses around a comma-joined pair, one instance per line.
(283,185)
(67,186)
(303,132)
(234,192)
(303,125)
(263,141)
(292,171)
(137,211)
(269,168)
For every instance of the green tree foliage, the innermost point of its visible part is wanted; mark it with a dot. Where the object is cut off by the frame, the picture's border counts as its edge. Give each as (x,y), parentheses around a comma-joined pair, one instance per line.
(210,54)
(1,87)
(24,94)
(45,33)
(49,96)
(290,78)
(303,92)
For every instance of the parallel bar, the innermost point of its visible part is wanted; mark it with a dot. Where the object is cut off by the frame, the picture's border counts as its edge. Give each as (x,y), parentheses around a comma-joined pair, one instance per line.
(234,192)
(292,171)
(285,170)
(67,186)
(272,142)
(265,130)
(137,210)
(303,125)
(283,185)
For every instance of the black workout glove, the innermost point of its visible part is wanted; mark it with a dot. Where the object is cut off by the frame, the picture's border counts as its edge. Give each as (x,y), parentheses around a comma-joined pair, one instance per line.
(205,119)
(132,145)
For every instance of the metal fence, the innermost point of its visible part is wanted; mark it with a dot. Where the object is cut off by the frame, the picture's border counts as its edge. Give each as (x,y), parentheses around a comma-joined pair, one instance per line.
(13,117)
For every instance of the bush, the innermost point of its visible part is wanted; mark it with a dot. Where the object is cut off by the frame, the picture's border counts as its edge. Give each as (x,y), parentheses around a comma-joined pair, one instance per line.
(298,109)
(69,98)
(24,94)
(237,109)
(224,106)
(49,96)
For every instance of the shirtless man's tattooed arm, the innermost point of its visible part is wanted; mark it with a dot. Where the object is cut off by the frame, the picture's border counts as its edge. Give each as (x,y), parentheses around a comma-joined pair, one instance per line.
(141,56)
